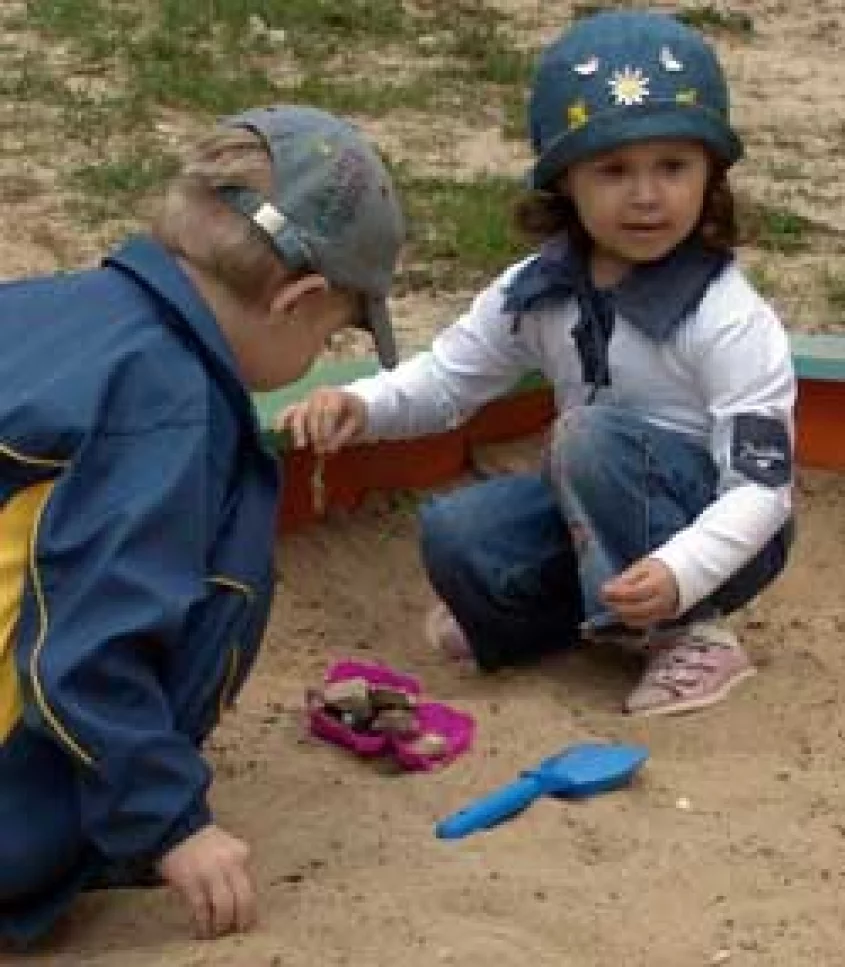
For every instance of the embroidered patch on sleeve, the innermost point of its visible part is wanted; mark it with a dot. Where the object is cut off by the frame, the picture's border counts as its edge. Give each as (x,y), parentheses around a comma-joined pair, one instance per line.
(760,449)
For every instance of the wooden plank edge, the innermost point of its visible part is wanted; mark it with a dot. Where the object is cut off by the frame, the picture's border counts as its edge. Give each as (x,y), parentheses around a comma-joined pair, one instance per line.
(420,464)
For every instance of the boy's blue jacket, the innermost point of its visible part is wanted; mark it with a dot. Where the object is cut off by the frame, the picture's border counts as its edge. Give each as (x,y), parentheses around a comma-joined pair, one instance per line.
(149,562)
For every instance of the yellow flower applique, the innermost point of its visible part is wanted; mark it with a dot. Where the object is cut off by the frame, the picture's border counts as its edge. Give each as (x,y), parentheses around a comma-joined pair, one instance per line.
(577,115)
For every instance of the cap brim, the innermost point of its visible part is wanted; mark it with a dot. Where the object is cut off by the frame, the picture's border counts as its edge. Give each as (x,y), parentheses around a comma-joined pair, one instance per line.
(616,127)
(377,322)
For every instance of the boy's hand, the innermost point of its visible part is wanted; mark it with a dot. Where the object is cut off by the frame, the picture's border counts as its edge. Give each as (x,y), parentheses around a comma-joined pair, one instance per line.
(643,594)
(328,419)
(209,871)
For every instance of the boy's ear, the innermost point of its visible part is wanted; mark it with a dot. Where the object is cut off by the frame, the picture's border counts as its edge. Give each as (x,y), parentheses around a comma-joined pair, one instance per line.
(290,293)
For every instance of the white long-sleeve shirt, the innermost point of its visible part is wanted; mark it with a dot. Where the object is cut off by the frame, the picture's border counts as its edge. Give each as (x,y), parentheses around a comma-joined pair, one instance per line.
(729,358)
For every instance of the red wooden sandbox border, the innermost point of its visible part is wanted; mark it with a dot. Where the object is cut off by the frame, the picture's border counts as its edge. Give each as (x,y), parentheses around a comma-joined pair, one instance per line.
(434,460)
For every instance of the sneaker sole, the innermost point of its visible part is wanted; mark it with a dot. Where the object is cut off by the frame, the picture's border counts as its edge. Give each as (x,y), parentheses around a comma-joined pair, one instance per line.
(695,704)
(439,642)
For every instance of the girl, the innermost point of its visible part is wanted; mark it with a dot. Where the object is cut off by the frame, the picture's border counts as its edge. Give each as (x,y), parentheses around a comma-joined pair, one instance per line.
(665,499)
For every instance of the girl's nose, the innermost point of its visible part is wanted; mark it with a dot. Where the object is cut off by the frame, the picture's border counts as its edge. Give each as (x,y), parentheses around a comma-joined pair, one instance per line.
(644,189)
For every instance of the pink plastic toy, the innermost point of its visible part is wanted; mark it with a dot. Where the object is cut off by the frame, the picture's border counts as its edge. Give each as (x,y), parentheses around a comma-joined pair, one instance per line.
(441,733)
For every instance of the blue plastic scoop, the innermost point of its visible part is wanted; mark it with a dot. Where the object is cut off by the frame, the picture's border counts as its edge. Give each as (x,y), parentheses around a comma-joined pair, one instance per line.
(576,773)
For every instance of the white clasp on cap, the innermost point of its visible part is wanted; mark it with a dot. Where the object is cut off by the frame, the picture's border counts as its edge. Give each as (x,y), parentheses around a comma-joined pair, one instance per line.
(269,218)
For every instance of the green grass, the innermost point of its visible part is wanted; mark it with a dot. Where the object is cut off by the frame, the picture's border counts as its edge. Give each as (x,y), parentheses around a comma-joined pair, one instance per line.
(775,229)
(834,288)
(460,232)
(115,189)
(215,56)
(132,177)
(514,106)
(704,17)
(320,27)
(123,64)
(708,17)
(365,96)
(786,171)
(763,279)
(580,11)
(473,37)
(27,79)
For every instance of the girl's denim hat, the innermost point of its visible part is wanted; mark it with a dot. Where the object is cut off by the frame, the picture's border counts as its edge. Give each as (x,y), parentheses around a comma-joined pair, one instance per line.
(625,76)
(334,209)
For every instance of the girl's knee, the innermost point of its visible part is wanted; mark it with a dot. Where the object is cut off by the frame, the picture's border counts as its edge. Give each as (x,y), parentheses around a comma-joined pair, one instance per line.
(583,441)
(472,529)
(587,429)
(449,526)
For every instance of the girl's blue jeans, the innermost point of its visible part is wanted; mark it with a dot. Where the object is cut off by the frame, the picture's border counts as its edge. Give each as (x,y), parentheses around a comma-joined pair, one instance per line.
(520,559)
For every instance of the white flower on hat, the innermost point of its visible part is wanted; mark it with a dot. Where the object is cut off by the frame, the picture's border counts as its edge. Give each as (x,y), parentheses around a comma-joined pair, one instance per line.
(629,86)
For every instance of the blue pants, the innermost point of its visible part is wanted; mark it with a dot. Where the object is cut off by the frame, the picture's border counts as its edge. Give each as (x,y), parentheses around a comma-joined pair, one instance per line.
(44,858)
(41,847)
(502,554)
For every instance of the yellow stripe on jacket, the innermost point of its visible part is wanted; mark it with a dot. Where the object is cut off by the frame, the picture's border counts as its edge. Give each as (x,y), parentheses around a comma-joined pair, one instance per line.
(17,518)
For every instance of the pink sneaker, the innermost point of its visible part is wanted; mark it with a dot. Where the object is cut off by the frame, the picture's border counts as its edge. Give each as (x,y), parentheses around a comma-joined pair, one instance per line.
(444,633)
(693,670)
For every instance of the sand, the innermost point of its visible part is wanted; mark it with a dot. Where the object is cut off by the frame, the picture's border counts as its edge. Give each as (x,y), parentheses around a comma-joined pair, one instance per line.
(728,850)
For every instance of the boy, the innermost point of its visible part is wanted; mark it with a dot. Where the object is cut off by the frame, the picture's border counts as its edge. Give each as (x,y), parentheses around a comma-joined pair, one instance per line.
(137,503)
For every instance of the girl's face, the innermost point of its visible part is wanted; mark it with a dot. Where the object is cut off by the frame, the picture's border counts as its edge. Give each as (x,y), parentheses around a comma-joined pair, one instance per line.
(638,202)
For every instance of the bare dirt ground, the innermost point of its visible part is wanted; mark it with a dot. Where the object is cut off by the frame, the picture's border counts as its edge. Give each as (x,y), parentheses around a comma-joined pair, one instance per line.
(728,850)
(786,82)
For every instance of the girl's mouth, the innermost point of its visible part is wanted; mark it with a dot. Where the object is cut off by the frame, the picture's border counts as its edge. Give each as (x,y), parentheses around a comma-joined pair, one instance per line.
(645,229)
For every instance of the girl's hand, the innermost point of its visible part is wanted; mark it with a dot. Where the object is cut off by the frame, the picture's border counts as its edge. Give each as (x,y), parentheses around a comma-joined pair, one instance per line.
(643,594)
(328,419)
(209,871)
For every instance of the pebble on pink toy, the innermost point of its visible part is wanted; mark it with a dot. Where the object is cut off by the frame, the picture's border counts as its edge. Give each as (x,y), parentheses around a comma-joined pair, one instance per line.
(438,734)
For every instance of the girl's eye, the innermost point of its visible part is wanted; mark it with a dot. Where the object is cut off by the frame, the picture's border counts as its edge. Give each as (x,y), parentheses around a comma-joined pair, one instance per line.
(674,166)
(611,171)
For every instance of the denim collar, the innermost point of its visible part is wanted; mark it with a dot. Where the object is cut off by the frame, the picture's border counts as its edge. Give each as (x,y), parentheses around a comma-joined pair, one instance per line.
(654,298)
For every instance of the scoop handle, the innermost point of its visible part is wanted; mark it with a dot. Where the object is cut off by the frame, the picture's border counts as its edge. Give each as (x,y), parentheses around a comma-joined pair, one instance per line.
(490,809)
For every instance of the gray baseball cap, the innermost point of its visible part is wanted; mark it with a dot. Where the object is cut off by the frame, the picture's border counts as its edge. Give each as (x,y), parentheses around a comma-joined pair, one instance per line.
(334,209)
